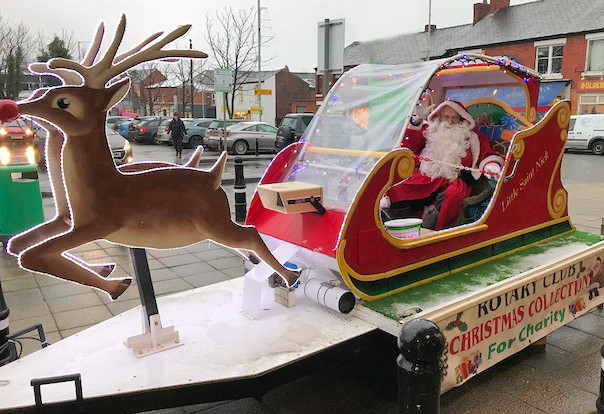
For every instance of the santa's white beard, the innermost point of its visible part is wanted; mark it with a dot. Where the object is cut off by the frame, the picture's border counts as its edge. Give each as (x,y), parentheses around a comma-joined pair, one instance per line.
(448,144)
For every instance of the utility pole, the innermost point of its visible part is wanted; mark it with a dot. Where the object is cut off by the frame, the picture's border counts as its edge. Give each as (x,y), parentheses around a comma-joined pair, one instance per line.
(429,29)
(259,61)
(80,48)
(191,76)
(326,72)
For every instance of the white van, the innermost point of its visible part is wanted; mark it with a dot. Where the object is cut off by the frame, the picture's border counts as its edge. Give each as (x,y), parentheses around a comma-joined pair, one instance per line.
(586,132)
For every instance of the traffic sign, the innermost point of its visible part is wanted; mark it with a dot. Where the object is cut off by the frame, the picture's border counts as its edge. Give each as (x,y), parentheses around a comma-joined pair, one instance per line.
(223,80)
(263,91)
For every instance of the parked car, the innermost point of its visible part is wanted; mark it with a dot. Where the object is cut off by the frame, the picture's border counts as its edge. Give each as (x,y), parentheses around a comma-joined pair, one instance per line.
(121,150)
(114,121)
(146,130)
(196,131)
(131,127)
(17,143)
(215,127)
(120,147)
(162,133)
(242,137)
(291,128)
(586,132)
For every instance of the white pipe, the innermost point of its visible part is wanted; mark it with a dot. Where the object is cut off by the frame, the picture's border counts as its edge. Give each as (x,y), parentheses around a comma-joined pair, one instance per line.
(333,297)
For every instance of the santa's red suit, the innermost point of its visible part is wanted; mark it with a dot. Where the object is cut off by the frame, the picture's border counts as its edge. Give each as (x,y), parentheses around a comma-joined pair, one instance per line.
(450,146)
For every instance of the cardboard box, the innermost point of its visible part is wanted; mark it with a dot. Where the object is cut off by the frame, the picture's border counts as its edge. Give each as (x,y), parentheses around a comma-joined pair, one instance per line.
(290,197)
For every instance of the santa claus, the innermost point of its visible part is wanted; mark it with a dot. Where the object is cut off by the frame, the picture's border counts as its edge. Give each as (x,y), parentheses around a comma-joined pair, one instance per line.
(453,157)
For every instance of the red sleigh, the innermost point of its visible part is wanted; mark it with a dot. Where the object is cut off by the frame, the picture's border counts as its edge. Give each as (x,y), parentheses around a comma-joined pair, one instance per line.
(351,153)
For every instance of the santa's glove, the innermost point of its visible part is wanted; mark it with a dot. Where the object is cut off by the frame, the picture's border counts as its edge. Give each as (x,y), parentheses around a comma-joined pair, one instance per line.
(492,170)
(466,177)
(385,202)
(423,109)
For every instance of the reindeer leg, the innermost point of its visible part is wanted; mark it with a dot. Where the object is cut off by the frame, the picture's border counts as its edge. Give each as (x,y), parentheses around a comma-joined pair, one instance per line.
(102,270)
(243,237)
(48,258)
(48,230)
(248,255)
(22,241)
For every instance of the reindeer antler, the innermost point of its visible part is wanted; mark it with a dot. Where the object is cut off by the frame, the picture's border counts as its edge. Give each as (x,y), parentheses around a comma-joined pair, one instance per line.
(99,74)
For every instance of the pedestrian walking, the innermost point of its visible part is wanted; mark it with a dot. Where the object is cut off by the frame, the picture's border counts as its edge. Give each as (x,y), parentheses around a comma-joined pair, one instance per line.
(177,129)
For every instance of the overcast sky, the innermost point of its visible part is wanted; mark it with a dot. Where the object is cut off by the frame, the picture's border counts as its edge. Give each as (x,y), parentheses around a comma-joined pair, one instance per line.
(291,23)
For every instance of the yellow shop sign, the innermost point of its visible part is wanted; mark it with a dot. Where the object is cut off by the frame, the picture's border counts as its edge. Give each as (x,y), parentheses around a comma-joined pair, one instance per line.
(591,85)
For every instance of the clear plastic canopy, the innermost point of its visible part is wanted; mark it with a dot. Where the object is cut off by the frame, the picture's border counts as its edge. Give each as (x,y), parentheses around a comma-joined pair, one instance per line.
(362,119)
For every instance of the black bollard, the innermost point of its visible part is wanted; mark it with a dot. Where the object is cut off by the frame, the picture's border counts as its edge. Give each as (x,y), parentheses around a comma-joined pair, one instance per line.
(420,367)
(5,346)
(240,201)
(256,147)
(600,400)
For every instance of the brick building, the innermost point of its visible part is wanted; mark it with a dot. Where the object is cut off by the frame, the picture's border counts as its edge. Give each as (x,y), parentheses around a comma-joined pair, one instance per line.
(561,39)
(287,90)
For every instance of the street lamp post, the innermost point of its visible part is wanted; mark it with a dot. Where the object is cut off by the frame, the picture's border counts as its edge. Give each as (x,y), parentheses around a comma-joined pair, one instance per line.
(259,82)
(191,76)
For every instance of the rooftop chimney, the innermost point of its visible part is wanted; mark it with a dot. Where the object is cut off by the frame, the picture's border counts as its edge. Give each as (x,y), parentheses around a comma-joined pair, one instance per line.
(498,4)
(480,10)
(432,27)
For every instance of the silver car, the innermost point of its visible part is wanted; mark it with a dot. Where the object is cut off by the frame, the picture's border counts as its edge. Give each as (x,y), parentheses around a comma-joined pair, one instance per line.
(244,136)
(120,147)
(163,137)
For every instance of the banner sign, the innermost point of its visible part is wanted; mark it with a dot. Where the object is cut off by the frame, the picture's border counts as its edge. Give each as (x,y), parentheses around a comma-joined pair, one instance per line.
(487,332)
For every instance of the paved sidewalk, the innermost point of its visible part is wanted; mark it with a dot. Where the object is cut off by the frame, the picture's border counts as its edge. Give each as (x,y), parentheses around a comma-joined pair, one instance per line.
(564,379)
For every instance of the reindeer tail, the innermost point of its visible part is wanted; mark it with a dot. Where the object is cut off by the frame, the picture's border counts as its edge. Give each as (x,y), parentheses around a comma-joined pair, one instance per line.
(217,169)
(195,158)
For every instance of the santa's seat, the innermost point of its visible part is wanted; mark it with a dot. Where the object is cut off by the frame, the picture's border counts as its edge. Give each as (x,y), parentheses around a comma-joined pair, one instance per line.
(472,207)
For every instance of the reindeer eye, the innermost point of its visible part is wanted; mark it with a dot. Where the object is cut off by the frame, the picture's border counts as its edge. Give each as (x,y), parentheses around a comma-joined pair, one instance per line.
(63,103)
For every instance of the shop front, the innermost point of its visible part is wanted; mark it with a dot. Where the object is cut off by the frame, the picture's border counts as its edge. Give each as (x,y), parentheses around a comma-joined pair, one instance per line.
(591,96)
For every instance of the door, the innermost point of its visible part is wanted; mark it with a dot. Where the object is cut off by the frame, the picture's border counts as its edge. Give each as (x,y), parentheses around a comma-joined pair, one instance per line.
(576,138)
(268,135)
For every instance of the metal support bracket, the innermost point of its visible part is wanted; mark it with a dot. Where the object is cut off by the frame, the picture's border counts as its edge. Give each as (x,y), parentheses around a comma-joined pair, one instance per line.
(155,338)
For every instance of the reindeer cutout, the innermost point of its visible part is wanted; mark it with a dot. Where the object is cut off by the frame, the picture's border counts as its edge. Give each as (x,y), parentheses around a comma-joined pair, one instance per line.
(94,199)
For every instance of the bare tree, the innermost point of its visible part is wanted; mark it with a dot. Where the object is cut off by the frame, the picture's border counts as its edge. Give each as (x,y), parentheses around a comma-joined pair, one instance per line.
(145,91)
(232,39)
(181,73)
(14,43)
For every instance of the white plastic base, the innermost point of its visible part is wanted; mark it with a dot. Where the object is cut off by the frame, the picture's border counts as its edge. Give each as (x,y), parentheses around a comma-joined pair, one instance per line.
(253,280)
(157,340)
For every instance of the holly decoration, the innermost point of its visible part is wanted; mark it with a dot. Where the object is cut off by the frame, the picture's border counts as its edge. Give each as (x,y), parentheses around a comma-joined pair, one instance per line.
(457,323)
(508,122)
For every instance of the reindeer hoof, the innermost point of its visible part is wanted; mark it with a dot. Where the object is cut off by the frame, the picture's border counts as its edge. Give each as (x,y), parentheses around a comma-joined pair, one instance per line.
(121,287)
(253,258)
(106,270)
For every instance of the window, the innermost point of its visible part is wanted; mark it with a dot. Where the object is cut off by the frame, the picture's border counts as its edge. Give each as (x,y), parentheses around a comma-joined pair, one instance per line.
(549,59)
(251,128)
(595,53)
(267,128)
(591,104)
(289,122)
(571,126)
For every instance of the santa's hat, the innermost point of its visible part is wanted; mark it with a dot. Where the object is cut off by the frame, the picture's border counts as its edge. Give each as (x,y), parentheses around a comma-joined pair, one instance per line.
(457,107)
